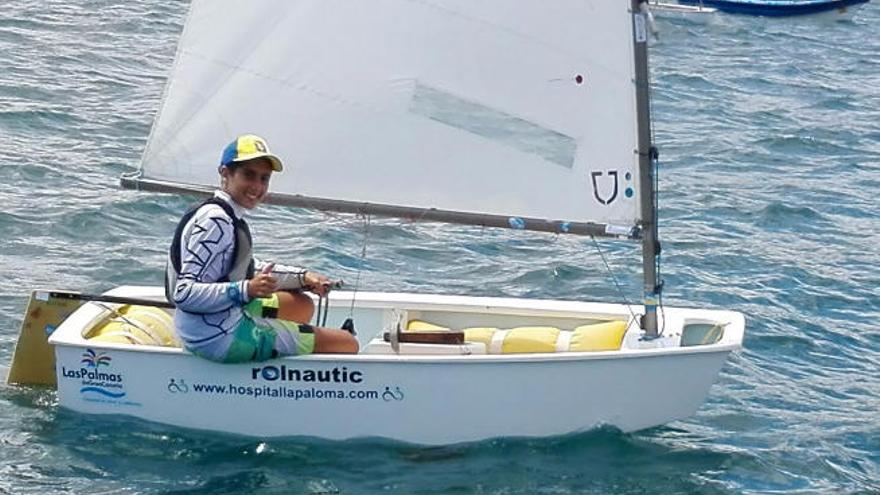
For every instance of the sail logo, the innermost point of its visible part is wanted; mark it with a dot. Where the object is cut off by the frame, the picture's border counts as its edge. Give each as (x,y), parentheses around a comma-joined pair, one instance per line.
(612,174)
(95,382)
(607,192)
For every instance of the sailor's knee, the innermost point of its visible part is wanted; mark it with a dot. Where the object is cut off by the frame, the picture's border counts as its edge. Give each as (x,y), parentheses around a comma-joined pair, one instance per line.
(333,341)
(295,306)
(307,306)
(350,344)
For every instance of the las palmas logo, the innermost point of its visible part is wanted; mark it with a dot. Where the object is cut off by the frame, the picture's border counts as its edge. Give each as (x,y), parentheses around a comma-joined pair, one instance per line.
(94,359)
(95,381)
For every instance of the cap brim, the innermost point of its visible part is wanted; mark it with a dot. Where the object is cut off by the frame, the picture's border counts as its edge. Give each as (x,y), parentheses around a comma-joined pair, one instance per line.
(274,160)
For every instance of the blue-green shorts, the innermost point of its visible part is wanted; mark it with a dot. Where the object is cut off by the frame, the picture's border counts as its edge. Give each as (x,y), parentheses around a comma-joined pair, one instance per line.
(259,336)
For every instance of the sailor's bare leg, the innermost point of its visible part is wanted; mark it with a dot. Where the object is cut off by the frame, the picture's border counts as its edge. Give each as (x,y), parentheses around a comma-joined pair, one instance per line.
(295,306)
(333,341)
(298,307)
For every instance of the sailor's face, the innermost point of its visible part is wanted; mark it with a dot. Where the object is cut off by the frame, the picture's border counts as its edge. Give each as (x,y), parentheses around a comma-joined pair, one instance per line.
(248,183)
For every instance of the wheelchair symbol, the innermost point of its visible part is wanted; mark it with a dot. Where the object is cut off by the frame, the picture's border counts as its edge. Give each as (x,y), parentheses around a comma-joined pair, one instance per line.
(178,387)
(388,395)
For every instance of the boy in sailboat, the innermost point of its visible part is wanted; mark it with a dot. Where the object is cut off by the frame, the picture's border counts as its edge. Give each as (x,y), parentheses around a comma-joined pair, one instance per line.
(230,306)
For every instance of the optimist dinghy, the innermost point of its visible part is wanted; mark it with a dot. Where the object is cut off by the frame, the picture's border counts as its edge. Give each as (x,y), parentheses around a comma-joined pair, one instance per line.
(525,115)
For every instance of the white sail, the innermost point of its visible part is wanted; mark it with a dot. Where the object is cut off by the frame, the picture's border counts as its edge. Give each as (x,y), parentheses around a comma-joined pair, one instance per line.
(491,107)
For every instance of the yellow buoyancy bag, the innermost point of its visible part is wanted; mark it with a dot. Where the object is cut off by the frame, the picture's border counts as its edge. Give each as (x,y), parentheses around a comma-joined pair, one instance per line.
(143,325)
(607,336)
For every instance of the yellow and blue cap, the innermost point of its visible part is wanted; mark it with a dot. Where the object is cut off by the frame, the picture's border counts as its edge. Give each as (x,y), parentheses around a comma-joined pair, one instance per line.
(248,147)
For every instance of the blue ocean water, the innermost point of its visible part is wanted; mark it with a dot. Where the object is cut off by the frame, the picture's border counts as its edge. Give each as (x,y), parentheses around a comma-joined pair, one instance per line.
(769,131)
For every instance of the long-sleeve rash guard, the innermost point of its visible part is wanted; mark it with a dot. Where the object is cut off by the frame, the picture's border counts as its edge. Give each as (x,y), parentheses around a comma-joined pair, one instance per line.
(208,311)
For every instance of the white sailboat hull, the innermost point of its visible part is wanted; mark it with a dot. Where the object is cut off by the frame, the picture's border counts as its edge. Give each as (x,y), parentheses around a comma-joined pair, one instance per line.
(418,398)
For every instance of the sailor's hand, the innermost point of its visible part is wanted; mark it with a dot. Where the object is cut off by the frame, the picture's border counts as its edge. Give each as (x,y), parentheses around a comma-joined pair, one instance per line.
(317,283)
(263,284)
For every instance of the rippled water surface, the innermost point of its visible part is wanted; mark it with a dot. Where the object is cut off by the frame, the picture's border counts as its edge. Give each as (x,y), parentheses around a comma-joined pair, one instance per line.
(769,131)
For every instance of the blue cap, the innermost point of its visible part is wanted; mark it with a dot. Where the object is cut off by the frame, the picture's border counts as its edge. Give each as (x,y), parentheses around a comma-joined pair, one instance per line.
(248,147)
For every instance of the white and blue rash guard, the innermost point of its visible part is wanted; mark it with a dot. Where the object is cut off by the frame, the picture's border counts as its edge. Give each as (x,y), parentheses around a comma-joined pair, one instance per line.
(208,308)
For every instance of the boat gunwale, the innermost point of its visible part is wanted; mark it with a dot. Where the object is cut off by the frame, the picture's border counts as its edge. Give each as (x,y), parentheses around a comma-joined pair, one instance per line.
(70,332)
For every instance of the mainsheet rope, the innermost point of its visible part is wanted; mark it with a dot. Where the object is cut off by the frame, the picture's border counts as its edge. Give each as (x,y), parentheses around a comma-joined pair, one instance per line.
(357,280)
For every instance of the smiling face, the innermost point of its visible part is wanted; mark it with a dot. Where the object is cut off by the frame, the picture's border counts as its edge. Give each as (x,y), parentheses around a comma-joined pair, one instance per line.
(247,182)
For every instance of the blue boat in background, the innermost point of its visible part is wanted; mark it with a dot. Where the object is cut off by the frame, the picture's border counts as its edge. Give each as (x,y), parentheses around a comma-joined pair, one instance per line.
(776,7)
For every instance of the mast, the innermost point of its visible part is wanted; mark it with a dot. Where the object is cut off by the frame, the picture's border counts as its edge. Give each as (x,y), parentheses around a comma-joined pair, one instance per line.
(646,152)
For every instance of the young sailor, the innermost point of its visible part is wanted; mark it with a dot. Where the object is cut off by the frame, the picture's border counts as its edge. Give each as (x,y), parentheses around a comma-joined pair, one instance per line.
(230,306)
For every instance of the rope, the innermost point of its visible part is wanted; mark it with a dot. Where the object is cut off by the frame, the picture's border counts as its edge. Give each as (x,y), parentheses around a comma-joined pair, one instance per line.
(660,309)
(323,308)
(357,280)
(146,329)
(613,278)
